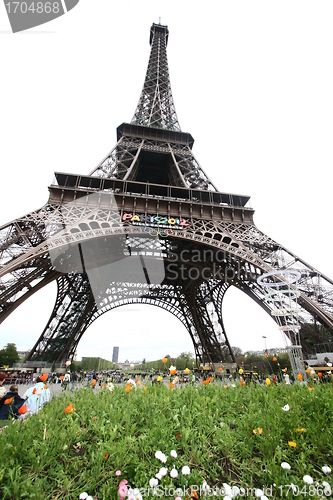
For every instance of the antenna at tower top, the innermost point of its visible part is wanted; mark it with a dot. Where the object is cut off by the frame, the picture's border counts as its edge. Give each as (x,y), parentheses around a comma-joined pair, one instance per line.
(159,20)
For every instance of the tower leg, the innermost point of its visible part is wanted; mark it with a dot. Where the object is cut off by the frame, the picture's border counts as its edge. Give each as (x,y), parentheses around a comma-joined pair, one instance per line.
(74,294)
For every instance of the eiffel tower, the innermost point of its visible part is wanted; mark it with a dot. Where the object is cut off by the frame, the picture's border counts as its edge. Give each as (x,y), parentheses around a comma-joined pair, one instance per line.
(148,226)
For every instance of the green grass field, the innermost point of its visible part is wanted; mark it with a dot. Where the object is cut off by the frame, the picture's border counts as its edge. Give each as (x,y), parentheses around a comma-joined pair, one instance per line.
(238,436)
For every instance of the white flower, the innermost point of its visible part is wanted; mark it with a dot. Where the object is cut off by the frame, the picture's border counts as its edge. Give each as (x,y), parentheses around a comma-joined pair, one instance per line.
(131,381)
(134,494)
(186,470)
(258,493)
(89,497)
(263,497)
(326,469)
(153,482)
(83,496)
(286,408)
(205,487)
(227,490)
(285,465)
(110,386)
(174,473)
(307,479)
(173,453)
(161,456)
(327,488)
(163,471)
(158,475)
(227,498)
(329,364)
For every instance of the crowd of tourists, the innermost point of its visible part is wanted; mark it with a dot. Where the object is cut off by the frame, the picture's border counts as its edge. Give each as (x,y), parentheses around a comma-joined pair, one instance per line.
(12,405)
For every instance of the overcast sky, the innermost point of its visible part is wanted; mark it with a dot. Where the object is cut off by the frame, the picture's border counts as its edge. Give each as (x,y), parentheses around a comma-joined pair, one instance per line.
(252,82)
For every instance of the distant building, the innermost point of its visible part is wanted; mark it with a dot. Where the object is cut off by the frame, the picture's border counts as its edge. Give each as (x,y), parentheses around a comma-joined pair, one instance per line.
(23,354)
(115,355)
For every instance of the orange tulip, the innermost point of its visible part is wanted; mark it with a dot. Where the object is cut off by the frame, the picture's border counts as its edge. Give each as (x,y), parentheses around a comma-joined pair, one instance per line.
(93,382)
(320,374)
(300,376)
(266,355)
(44,377)
(178,435)
(104,384)
(164,360)
(128,388)
(194,494)
(220,368)
(106,456)
(173,372)
(70,408)
(274,358)
(8,401)
(207,381)
(93,419)
(171,385)
(22,409)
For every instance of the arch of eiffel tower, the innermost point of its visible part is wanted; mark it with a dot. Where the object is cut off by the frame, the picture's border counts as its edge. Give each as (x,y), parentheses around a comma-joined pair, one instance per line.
(148,226)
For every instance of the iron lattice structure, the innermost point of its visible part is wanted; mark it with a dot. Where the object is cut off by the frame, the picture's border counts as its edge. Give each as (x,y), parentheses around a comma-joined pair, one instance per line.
(150,205)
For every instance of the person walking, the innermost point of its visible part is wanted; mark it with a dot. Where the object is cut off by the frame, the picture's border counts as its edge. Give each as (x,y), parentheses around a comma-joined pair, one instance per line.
(66,381)
(2,389)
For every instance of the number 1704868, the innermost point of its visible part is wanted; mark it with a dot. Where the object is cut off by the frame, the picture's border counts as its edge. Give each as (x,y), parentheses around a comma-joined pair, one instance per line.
(289,490)
(33,7)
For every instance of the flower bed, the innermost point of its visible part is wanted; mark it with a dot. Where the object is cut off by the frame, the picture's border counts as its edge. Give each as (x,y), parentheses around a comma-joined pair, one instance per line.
(159,440)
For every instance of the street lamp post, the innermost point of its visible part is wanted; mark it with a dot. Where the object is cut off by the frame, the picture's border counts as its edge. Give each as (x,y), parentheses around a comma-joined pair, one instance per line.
(264,337)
